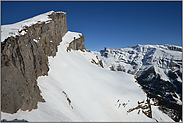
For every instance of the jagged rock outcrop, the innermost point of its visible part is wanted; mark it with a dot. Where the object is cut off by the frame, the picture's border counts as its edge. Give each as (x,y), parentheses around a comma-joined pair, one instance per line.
(77,44)
(24,58)
(98,62)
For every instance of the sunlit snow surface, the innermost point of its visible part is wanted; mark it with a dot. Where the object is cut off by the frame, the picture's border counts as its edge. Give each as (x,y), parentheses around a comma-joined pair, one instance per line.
(92,90)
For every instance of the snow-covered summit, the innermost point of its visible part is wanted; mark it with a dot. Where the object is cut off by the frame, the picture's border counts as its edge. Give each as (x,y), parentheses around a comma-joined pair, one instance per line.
(13,29)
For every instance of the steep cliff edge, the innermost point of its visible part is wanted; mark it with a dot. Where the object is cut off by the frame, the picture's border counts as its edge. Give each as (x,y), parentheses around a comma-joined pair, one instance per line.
(24,57)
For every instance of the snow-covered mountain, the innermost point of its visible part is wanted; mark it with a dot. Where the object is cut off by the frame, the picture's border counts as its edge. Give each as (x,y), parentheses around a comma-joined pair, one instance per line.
(77,90)
(47,75)
(157,68)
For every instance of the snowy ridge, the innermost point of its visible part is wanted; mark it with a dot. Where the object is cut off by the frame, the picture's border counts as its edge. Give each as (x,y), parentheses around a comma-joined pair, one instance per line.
(76,90)
(13,29)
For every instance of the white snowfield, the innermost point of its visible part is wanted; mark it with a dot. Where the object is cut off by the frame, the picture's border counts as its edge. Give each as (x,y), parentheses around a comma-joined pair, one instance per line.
(77,90)
(12,29)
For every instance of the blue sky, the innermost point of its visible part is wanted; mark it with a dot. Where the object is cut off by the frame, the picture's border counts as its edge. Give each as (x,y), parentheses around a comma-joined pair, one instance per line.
(109,24)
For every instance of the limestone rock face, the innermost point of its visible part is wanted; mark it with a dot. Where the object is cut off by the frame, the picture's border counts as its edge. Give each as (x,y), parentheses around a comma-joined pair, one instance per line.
(24,58)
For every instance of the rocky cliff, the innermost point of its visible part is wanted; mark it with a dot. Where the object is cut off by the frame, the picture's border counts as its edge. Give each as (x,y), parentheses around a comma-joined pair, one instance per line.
(24,58)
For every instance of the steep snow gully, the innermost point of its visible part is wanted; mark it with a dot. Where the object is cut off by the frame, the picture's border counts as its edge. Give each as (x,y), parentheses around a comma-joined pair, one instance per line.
(79,88)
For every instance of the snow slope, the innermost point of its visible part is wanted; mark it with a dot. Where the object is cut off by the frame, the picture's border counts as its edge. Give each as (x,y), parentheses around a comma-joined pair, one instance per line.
(77,90)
